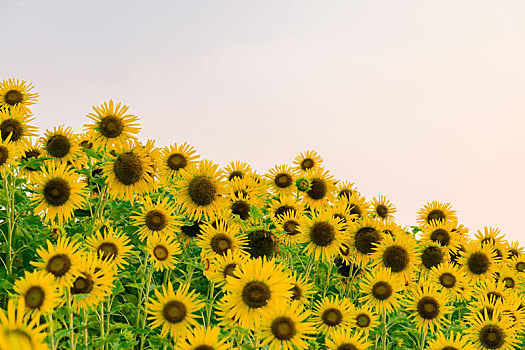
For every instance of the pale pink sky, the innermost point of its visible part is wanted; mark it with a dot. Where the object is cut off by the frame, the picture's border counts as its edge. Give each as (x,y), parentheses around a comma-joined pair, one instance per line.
(415,100)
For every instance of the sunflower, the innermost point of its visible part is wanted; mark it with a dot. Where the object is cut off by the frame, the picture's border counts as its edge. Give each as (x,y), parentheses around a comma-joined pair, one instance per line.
(382,208)
(262,242)
(331,314)
(343,339)
(286,327)
(510,278)
(364,237)
(432,254)
(428,307)
(175,158)
(285,204)
(514,250)
(321,190)
(344,189)
(220,238)
(289,224)
(94,283)
(18,331)
(452,342)
(517,264)
(308,160)
(62,261)
(248,187)
(162,251)
(58,193)
(484,304)
(397,252)
(129,171)
(14,122)
(258,287)
(341,210)
(16,93)
(62,147)
(282,180)
(38,292)
(443,233)
(204,339)
(224,265)
(9,153)
(324,234)
(492,288)
(358,205)
(302,289)
(492,332)
(381,291)
(112,126)
(363,318)
(241,205)
(157,218)
(452,279)
(174,311)
(111,245)
(236,170)
(478,262)
(200,191)
(31,150)
(438,211)
(491,237)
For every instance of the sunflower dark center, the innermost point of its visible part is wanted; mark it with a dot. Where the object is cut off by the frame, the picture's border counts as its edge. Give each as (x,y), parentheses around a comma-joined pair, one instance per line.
(492,337)
(345,193)
(347,346)
(307,163)
(58,265)
(513,253)
(128,168)
(428,308)
(318,189)
(4,154)
(111,126)
(284,209)
(382,211)
(161,252)
(449,348)
(283,328)
(297,292)
(322,234)
(261,243)
(177,161)
(344,250)
(235,174)
(256,294)
(12,97)
(58,146)
(228,270)
(332,317)
(447,280)
(202,190)
(82,285)
(174,311)
(204,347)
(34,297)
(366,239)
(57,192)
(441,236)
(156,220)
(509,282)
(283,180)
(381,290)
(13,127)
(478,263)
(86,144)
(363,320)
(340,217)
(356,210)
(432,256)
(193,230)
(520,266)
(107,250)
(241,208)
(221,243)
(436,214)
(494,295)
(396,257)
(290,227)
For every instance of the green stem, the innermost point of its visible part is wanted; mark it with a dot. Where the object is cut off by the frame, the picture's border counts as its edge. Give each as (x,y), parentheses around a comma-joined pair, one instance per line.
(71,325)
(102,331)
(150,274)
(51,332)
(384,330)
(210,306)
(85,329)
(331,264)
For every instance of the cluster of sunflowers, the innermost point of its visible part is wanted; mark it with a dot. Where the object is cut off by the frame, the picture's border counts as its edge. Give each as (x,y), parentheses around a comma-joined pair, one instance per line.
(110,243)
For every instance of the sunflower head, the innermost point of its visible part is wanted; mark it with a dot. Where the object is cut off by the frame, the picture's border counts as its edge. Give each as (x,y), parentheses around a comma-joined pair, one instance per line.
(16,93)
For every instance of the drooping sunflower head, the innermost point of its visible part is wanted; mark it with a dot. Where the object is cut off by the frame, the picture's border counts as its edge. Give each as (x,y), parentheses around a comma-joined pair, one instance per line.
(14,124)
(324,234)
(16,93)
(176,157)
(281,180)
(358,205)
(112,126)
(440,212)
(199,190)
(29,163)
(308,160)
(382,208)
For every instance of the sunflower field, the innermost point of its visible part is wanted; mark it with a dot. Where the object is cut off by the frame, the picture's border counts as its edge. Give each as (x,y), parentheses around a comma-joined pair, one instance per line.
(112,243)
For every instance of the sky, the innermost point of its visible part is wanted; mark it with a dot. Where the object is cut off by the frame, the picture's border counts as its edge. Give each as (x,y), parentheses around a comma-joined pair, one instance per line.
(414,100)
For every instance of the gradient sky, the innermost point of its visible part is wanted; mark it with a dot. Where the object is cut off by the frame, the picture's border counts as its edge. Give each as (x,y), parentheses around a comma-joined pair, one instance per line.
(415,100)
